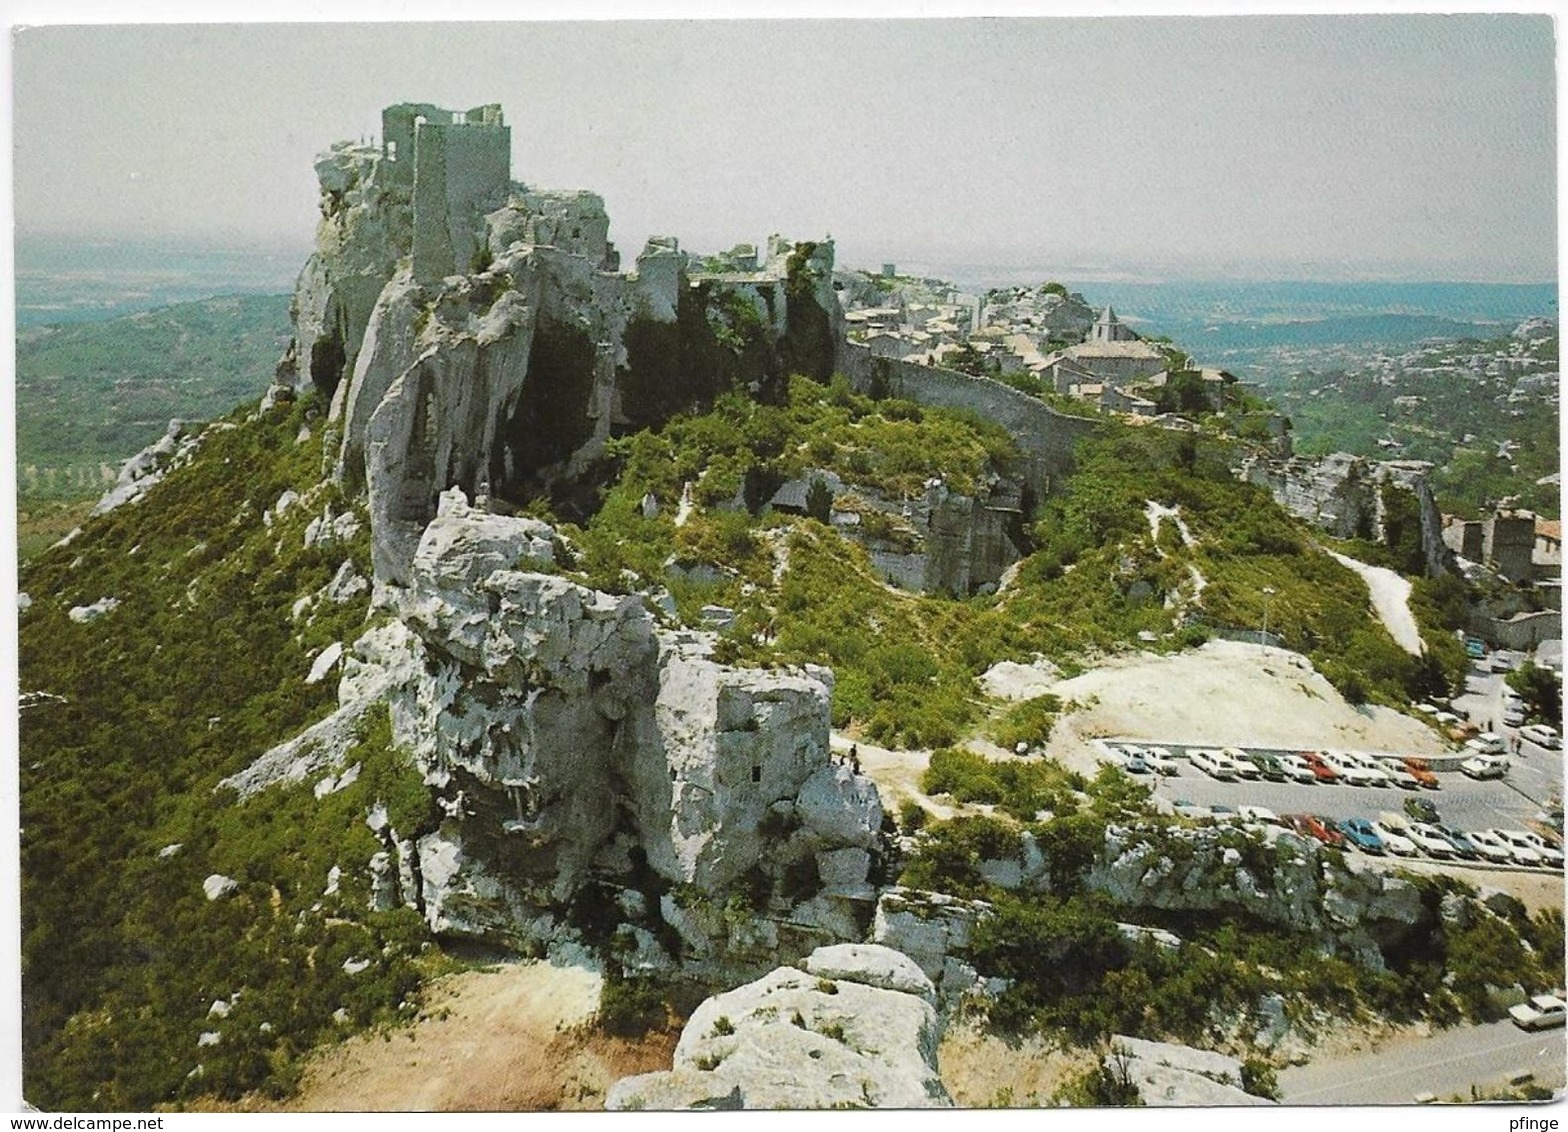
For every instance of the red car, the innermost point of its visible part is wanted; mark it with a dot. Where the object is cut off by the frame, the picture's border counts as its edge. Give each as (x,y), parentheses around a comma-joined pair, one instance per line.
(1421,772)
(1320,768)
(1310,825)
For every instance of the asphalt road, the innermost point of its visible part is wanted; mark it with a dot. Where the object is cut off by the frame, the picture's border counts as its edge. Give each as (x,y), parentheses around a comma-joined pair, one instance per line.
(1537,772)
(1447,1064)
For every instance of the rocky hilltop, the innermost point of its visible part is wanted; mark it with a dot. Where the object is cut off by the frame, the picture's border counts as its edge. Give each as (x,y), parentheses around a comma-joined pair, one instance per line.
(473,332)
(479,345)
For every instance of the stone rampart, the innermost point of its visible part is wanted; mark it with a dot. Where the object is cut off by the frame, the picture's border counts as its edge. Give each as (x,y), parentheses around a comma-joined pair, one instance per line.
(1045,436)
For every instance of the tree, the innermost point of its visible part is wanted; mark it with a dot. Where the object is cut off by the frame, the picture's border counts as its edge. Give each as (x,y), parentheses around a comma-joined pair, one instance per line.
(819,500)
(1541,691)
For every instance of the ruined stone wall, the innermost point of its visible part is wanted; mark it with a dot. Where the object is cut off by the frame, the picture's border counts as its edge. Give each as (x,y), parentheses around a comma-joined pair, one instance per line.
(1522,632)
(1045,436)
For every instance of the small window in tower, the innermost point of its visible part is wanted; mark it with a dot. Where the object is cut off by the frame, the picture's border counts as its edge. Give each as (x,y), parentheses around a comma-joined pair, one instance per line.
(756,774)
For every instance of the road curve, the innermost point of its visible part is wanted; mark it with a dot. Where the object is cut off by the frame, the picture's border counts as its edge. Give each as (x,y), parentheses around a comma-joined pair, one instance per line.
(1447,1064)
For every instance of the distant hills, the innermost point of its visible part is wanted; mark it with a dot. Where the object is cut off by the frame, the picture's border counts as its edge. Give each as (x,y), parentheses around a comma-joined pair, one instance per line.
(89,395)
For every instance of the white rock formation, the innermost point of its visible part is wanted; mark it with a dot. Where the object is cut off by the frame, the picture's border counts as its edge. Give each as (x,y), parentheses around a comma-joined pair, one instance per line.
(1170,1075)
(150,465)
(324,663)
(218,885)
(82,614)
(842,1037)
(560,729)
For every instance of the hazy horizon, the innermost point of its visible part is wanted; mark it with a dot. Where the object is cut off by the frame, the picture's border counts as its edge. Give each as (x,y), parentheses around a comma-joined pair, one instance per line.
(1385,147)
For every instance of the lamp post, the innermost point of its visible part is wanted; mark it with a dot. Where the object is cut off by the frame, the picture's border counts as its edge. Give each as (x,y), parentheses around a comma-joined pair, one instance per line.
(1268,596)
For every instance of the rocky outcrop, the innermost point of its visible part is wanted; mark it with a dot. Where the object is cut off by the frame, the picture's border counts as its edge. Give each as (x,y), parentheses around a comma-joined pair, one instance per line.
(569,743)
(855,1028)
(1170,1075)
(1345,496)
(1286,882)
(474,332)
(148,467)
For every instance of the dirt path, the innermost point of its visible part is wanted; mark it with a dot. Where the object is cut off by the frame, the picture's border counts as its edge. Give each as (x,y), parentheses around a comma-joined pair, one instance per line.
(1390,601)
(510,1038)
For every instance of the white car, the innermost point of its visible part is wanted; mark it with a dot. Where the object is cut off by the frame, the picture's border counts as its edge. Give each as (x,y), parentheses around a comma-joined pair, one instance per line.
(1486,743)
(1524,852)
(1541,735)
(1297,770)
(1377,776)
(1513,713)
(1160,761)
(1494,849)
(1350,770)
(1260,815)
(1213,763)
(1430,841)
(1541,1012)
(1394,841)
(1485,766)
(1520,850)
(1245,767)
(1552,855)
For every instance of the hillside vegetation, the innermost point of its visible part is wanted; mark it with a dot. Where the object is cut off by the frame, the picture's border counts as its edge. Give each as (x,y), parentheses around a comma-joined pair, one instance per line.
(127,962)
(198,670)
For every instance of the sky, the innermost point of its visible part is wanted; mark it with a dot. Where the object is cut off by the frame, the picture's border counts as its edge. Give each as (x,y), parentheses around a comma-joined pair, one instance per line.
(1330,146)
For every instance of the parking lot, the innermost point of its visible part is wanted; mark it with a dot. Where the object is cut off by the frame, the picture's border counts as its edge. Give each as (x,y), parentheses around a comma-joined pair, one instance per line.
(1461,801)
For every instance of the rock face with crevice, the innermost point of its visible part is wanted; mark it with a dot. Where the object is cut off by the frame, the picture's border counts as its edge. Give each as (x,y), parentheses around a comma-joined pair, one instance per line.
(574,747)
(1347,496)
(853,1027)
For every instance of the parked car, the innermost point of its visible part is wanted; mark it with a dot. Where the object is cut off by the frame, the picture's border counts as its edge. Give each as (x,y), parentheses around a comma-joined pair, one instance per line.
(1268,766)
(1399,776)
(1297,769)
(1394,841)
(1376,775)
(1189,809)
(1213,763)
(1260,815)
(1160,761)
(1463,846)
(1430,840)
(1319,829)
(1352,771)
(1541,735)
(1540,1012)
(1486,743)
(1360,834)
(1485,766)
(1513,713)
(1523,852)
(1245,767)
(1421,771)
(1135,764)
(1224,814)
(1491,848)
(1320,768)
(1552,855)
(1420,809)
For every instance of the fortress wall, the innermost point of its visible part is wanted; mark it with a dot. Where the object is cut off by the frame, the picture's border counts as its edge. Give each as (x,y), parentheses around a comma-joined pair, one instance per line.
(1045,436)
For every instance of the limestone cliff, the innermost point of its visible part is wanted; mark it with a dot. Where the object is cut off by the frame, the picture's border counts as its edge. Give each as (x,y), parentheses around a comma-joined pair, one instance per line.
(1348,496)
(573,747)
(474,332)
